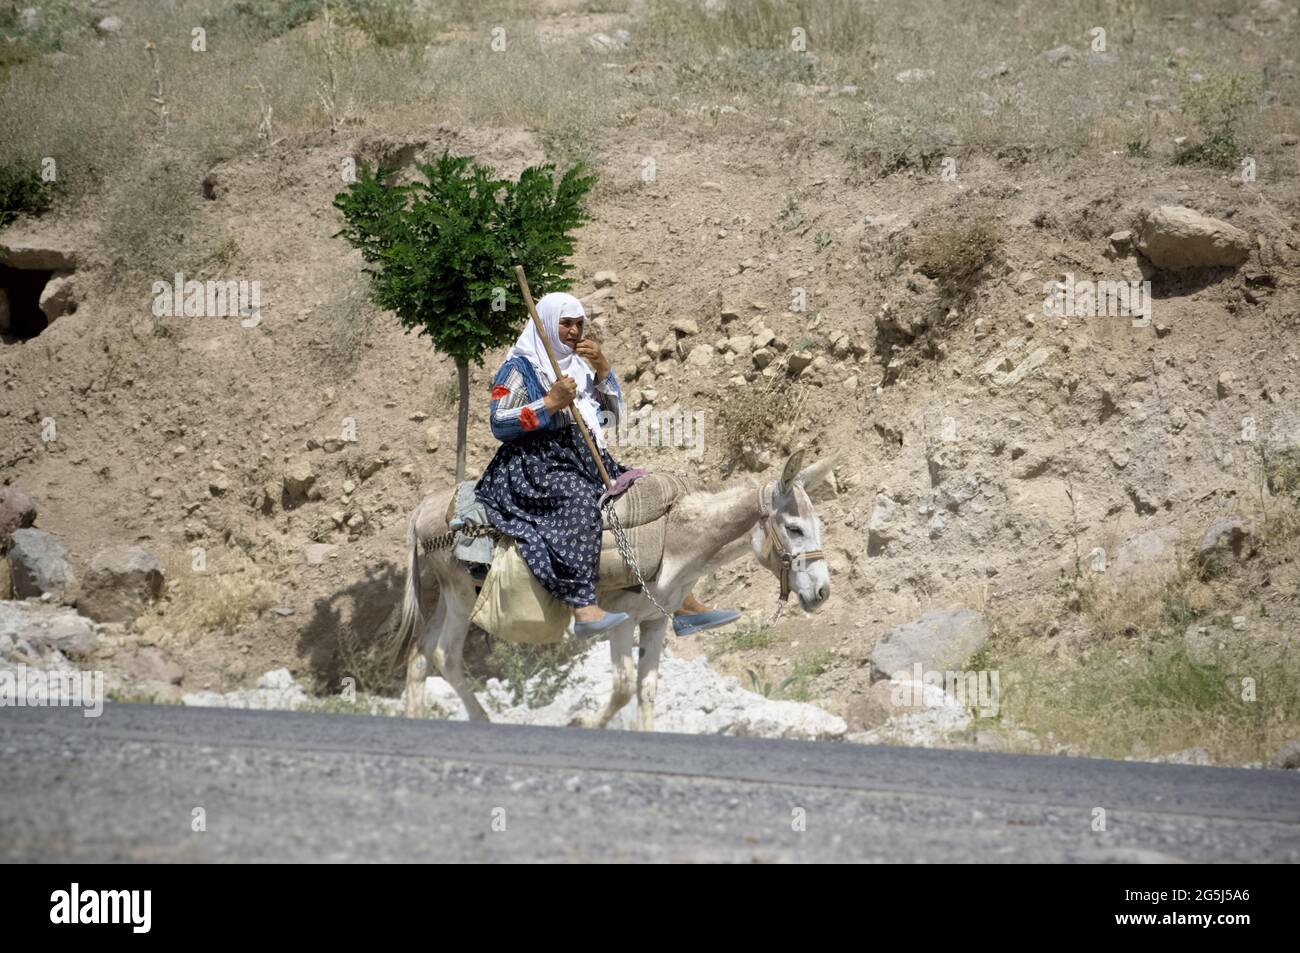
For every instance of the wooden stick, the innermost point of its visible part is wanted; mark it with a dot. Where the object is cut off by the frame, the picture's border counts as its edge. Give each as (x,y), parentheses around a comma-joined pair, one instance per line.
(555,368)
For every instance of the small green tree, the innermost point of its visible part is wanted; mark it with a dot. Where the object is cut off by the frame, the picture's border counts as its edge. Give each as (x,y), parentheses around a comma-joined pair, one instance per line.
(442,252)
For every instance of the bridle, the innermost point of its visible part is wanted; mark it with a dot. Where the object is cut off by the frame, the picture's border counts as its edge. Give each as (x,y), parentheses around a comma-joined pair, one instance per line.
(774,547)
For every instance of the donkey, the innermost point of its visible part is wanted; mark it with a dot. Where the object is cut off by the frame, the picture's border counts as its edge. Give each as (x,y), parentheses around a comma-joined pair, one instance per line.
(706,529)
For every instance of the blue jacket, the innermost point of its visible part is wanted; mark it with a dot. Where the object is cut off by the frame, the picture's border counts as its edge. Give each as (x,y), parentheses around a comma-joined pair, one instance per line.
(517,407)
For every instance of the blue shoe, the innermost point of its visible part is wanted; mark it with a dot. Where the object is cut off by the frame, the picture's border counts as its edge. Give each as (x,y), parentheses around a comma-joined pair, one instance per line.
(585,630)
(699,621)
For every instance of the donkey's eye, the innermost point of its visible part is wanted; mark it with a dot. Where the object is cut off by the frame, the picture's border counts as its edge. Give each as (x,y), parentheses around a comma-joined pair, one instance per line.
(793,530)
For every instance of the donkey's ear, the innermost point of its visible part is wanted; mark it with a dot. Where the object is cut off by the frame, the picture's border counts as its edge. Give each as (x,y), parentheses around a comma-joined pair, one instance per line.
(791,471)
(811,476)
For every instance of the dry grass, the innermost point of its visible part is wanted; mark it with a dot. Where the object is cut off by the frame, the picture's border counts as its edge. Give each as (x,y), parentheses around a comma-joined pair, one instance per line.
(347,317)
(95,116)
(761,421)
(835,25)
(1127,683)
(988,87)
(955,249)
(750,636)
(368,660)
(153,224)
(1148,697)
(566,107)
(393,59)
(232,590)
(1281,470)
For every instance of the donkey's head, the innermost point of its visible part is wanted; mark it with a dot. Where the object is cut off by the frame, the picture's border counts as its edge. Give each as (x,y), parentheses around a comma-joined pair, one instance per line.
(788,537)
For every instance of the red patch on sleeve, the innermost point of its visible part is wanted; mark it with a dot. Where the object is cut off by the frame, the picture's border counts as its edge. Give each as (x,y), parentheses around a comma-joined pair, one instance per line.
(528,419)
(501,390)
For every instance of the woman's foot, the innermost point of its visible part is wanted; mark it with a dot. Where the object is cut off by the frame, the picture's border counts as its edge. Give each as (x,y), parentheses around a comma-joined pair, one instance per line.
(688,623)
(695,616)
(690,604)
(593,620)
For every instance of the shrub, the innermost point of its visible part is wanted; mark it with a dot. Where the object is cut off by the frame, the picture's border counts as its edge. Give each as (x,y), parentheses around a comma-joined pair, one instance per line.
(954,253)
(535,674)
(22,192)
(271,18)
(760,421)
(1216,103)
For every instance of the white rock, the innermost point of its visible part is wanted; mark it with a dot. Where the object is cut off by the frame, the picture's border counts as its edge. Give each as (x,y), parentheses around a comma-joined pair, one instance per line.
(692,699)
(280,678)
(910,77)
(316,553)
(701,355)
(57,297)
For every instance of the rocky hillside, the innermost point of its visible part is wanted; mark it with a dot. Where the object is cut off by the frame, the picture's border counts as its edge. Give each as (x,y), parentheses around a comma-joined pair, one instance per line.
(1092,496)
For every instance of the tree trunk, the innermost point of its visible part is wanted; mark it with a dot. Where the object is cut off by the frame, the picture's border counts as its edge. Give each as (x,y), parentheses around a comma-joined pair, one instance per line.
(462,418)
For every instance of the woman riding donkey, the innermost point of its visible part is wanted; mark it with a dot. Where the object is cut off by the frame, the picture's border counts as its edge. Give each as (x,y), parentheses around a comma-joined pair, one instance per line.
(543,487)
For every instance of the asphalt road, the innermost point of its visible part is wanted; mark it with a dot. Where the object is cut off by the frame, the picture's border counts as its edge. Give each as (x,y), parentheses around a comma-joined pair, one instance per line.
(134,784)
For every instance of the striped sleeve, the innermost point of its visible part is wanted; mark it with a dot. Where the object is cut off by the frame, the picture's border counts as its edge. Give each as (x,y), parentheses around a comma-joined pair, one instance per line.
(510,411)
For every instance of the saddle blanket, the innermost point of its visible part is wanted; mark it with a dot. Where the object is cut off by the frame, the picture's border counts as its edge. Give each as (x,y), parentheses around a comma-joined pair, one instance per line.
(642,512)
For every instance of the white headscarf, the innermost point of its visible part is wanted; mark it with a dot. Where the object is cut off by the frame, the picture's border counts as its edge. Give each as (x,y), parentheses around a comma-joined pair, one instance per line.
(551,308)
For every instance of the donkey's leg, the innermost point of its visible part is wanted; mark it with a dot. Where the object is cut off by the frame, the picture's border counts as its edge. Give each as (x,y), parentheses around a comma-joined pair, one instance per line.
(620,652)
(417,666)
(448,655)
(647,681)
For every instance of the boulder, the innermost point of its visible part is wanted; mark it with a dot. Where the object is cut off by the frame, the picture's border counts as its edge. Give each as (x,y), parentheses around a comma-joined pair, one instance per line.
(17,511)
(39,565)
(298,480)
(122,582)
(1152,549)
(1227,540)
(1174,238)
(44,626)
(799,361)
(941,640)
(57,298)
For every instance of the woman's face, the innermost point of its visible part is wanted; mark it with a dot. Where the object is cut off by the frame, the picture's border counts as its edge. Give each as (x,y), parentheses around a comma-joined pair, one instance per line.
(570,331)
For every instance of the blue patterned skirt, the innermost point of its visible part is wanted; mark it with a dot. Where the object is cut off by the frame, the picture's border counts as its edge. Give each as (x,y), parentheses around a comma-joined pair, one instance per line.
(544,490)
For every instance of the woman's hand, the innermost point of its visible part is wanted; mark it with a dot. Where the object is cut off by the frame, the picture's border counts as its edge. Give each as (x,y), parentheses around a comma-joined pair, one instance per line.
(560,395)
(590,350)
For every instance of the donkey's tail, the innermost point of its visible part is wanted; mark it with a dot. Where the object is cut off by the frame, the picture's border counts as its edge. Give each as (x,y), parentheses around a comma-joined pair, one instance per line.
(404,637)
